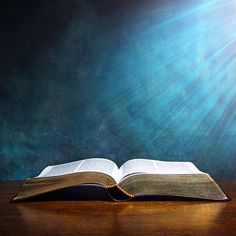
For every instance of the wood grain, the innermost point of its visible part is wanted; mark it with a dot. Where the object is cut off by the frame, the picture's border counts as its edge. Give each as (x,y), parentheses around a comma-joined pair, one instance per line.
(163,217)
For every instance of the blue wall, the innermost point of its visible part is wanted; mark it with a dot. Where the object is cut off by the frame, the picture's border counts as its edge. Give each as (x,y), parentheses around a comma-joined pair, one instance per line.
(121,79)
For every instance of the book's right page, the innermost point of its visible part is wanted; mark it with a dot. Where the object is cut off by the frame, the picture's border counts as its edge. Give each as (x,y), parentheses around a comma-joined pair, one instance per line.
(142,177)
(170,167)
(136,166)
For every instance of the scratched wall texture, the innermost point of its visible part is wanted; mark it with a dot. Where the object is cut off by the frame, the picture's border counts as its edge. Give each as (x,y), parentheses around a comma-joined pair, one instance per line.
(118,79)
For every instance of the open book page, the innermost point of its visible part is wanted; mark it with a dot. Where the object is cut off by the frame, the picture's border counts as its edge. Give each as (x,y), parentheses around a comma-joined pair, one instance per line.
(93,164)
(157,167)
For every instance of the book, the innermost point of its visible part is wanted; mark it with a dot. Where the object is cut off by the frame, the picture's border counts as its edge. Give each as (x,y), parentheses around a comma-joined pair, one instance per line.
(135,178)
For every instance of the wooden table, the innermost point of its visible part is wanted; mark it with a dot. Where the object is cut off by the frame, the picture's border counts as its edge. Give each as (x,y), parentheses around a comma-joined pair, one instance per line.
(117,218)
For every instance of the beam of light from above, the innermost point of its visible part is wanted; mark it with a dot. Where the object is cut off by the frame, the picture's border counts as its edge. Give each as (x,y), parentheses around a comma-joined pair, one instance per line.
(182,84)
(168,59)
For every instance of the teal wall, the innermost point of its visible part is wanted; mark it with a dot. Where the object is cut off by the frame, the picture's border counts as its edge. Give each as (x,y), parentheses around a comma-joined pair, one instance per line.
(118,79)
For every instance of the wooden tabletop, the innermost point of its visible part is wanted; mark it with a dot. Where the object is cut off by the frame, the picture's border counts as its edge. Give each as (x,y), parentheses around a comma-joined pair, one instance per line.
(161,217)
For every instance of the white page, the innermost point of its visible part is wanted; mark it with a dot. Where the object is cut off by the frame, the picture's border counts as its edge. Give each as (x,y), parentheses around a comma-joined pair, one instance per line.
(157,167)
(93,164)
(138,165)
(60,169)
(170,167)
(101,165)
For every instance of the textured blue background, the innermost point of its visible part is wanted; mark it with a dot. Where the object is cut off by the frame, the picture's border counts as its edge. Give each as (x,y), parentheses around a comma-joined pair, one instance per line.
(118,79)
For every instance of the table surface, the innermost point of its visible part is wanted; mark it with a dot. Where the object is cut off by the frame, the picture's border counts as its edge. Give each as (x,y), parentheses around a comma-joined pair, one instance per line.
(163,217)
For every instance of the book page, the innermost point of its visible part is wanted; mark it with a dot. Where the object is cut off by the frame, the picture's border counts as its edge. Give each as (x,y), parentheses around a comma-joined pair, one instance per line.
(171,167)
(93,164)
(60,169)
(138,165)
(100,165)
(135,166)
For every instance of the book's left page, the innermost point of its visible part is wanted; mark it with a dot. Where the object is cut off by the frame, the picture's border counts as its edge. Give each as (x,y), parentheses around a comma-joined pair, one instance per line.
(87,165)
(93,171)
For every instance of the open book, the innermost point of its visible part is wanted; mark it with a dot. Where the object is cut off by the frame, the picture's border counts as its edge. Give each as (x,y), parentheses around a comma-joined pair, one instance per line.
(136,177)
